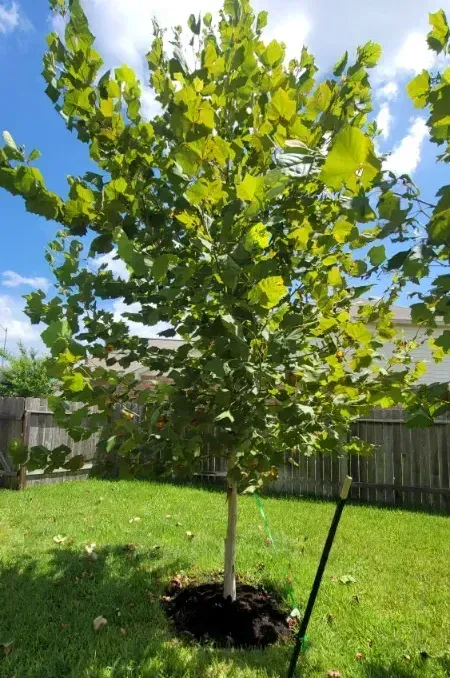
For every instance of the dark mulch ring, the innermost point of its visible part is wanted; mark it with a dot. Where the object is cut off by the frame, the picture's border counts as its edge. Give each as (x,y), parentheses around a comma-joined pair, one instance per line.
(200,612)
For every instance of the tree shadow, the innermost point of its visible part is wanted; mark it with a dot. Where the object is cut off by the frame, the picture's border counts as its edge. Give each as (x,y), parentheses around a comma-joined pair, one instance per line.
(48,608)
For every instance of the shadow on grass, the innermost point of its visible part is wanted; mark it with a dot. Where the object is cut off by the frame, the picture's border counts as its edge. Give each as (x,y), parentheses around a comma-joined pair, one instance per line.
(48,608)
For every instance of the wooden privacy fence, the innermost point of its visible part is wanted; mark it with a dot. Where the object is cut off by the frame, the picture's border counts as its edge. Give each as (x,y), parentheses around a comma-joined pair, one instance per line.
(409,467)
(31,420)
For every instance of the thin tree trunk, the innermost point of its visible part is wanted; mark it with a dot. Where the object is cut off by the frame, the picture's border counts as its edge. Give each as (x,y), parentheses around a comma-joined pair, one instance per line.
(229,588)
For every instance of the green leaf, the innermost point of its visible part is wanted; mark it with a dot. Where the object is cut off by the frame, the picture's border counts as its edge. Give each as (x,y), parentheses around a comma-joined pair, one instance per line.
(261,21)
(207,19)
(281,106)
(126,251)
(34,155)
(230,272)
(268,292)
(75,463)
(273,54)
(398,260)
(438,36)
(45,204)
(225,415)
(29,180)
(18,452)
(9,141)
(419,418)
(340,65)
(369,54)
(257,237)
(248,187)
(351,151)
(111,443)
(377,255)
(52,93)
(421,314)
(216,366)
(125,74)
(419,88)
(334,277)
(343,230)
(56,332)
(160,266)
(194,24)
(358,332)
(443,341)
(75,382)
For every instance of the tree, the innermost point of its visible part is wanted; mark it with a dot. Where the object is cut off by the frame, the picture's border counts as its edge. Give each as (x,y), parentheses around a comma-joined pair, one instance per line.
(427,253)
(25,375)
(252,215)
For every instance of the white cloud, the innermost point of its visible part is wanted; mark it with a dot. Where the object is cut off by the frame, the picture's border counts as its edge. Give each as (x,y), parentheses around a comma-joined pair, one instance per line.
(292,31)
(116,266)
(17,323)
(384,120)
(119,307)
(9,17)
(406,155)
(414,55)
(13,279)
(389,91)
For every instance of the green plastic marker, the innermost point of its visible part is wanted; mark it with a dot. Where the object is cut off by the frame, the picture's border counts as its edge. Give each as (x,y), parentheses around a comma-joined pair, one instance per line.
(301,635)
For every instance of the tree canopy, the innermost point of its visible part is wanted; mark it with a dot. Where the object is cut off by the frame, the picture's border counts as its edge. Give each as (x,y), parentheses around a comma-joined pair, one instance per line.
(25,374)
(253,214)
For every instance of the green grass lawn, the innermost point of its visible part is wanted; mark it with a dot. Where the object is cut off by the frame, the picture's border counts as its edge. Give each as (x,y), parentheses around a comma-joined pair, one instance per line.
(398,607)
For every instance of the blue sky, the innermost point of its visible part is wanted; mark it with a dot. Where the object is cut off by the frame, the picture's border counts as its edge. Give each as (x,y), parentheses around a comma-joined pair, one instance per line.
(123,30)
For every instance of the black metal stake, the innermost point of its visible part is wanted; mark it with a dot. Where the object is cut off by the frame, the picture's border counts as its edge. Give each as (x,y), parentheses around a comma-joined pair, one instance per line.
(300,637)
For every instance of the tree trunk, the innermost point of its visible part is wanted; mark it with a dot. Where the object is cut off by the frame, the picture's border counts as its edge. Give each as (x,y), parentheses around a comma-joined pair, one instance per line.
(229,588)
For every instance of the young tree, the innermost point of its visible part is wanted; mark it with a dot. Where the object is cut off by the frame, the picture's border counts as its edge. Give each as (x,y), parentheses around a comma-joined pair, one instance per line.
(252,215)
(425,260)
(25,374)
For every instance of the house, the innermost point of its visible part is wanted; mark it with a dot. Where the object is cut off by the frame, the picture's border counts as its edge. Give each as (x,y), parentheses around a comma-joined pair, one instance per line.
(436,372)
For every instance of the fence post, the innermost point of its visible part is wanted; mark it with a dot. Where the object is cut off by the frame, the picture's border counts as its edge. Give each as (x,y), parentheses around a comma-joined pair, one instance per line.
(22,472)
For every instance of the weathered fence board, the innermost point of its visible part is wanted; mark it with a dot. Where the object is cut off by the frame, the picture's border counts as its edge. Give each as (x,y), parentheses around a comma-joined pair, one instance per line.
(409,467)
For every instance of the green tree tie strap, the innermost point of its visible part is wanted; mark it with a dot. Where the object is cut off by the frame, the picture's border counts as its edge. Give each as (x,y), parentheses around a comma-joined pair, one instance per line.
(289,588)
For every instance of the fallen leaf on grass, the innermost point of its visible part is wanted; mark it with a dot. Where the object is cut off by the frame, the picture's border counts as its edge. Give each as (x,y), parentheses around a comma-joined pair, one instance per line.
(407,657)
(359,656)
(99,623)
(347,579)
(130,547)
(268,541)
(168,516)
(6,648)
(134,520)
(175,584)
(64,626)
(90,550)
(334,579)
(132,604)
(330,619)
(58,539)
(189,535)
(356,600)
(123,633)
(332,673)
